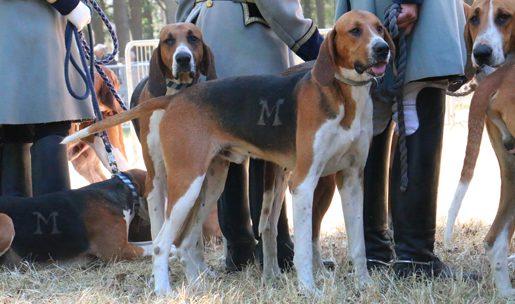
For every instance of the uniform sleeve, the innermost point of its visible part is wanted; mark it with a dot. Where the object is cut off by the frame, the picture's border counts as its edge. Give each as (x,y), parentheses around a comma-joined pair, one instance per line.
(184,8)
(64,7)
(287,21)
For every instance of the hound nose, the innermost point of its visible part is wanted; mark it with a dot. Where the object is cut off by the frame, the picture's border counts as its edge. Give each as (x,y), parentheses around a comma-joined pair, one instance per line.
(183,59)
(482,53)
(381,50)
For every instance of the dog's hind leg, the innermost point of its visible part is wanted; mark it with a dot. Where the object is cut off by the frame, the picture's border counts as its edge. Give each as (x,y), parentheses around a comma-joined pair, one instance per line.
(273,197)
(323,196)
(156,178)
(350,186)
(192,245)
(182,194)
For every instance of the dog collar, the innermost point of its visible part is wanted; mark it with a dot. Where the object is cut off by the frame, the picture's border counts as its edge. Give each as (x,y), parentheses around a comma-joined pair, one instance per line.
(128,182)
(170,84)
(351,82)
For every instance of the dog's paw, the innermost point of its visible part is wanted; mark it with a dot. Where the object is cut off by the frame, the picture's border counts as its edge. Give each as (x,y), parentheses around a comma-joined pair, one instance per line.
(163,291)
(364,281)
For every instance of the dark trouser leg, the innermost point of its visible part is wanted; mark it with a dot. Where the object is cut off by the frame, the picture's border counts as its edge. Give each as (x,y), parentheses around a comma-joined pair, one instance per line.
(284,242)
(49,159)
(234,219)
(414,211)
(378,241)
(15,165)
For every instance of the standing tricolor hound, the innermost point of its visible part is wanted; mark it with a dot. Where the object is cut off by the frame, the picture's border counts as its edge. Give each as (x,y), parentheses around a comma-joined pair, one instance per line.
(312,124)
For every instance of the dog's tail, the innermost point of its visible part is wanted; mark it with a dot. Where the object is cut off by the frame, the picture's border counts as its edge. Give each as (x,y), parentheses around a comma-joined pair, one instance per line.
(142,109)
(476,122)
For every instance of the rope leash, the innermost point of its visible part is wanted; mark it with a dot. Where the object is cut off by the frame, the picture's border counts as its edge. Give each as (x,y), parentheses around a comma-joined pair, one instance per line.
(86,73)
(393,89)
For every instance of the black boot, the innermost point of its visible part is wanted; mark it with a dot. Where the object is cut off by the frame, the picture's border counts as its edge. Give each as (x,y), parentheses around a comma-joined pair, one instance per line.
(414,211)
(49,165)
(378,240)
(284,241)
(15,170)
(234,220)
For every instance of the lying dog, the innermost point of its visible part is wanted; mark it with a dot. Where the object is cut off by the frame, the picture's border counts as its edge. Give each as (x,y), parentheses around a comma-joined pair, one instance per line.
(89,222)
(88,155)
(177,63)
(314,125)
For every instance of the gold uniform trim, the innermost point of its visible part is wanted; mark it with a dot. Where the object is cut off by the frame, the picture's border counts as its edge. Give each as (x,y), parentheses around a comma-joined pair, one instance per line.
(304,38)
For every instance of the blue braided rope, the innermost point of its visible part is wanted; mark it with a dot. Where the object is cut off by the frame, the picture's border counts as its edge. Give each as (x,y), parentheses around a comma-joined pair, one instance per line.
(86,72)
(395,88)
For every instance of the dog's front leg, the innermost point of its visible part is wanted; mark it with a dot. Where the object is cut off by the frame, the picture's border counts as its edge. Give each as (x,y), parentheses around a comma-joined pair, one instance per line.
(160,254)
(350,186)
(302,224)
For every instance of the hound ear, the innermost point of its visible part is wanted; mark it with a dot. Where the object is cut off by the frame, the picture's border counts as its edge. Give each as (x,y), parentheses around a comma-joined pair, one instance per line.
(466,33)
(325,65)
(156,75)
(391,45)
(207,66)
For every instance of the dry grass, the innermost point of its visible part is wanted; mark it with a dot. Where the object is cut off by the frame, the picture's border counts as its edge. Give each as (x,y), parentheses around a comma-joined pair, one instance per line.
(129,282)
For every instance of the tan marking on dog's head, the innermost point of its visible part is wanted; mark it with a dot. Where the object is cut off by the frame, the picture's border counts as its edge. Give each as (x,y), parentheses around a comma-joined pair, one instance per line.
(181,55)
(359,44)
(489,32)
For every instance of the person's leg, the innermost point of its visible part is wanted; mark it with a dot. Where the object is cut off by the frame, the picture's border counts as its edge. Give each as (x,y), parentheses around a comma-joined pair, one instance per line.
(284,241)
(15,164)
(234,219)
(378,240)
(414,211)
(49,158)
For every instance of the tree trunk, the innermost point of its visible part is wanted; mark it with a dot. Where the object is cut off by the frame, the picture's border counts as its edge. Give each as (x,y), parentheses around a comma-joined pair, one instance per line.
(320,13)
(98,25)
(171,10)
(148,30)
(136,24)
(306,7)
(121,20)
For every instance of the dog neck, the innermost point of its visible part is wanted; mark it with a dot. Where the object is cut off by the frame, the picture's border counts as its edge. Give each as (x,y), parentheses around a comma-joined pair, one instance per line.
(351,82)
(172,86)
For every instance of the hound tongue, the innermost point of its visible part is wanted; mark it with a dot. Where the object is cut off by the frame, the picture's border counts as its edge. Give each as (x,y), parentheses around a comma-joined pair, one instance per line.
(378,69)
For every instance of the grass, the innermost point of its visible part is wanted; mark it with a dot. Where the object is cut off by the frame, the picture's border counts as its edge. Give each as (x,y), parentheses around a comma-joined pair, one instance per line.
(130,282)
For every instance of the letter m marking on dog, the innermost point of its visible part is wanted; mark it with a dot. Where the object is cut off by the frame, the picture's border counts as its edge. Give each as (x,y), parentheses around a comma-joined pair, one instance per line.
(51,219)
(266,111)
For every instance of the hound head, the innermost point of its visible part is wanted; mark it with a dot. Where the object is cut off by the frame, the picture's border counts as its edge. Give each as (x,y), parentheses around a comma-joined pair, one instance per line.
(357,48)
(489,32)
(180,56)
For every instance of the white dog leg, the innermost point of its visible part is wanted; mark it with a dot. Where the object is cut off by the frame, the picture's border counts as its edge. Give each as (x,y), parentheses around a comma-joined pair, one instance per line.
(302,222)
(351,193)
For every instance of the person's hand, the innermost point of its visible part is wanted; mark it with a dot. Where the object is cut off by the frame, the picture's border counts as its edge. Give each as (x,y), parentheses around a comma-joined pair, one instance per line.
(408,17)
(80,16)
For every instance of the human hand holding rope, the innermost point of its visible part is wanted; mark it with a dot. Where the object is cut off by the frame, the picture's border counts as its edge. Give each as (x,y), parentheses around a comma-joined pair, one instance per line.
(407,17)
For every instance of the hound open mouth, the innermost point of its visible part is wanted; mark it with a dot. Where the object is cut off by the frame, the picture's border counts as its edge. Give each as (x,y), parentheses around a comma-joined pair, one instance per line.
(377,69)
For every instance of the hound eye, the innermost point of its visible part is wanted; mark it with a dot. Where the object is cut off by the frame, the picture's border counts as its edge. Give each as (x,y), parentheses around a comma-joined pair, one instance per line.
(356,32)
(474,20)
(501,19)
(380,29)
(170,41)
(192,39)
